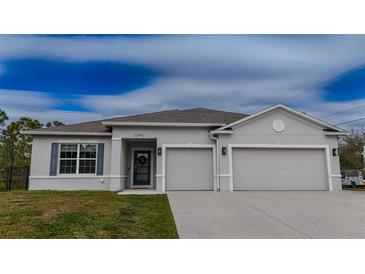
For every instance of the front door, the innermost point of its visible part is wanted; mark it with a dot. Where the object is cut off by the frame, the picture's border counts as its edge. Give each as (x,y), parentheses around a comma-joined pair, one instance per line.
(142,168)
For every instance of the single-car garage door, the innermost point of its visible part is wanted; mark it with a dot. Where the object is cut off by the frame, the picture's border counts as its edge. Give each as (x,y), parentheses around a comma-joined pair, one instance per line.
(279,169)
(189,169)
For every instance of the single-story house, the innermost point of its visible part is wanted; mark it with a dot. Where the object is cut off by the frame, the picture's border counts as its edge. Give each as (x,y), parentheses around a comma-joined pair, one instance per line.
(278,148)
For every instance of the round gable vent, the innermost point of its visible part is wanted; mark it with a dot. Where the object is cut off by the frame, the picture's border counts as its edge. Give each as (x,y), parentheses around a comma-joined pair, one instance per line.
(278,125)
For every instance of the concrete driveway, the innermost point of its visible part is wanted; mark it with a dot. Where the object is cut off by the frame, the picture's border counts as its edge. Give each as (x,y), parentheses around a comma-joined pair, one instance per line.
(269,214)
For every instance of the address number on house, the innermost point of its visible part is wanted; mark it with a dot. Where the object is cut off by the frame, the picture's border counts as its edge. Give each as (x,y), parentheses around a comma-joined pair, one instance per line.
(139,134)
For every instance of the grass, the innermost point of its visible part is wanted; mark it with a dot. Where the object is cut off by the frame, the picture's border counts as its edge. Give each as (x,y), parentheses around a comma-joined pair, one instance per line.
(357,188)
(354,189)
(84,215)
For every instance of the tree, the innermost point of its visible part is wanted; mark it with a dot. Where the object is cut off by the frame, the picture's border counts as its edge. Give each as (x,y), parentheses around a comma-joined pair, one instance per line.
(54,124)
(15,146)
(3,118)
(351,148)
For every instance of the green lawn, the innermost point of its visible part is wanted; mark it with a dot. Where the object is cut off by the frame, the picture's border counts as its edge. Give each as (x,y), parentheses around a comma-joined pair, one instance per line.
(84,215)
(357,188)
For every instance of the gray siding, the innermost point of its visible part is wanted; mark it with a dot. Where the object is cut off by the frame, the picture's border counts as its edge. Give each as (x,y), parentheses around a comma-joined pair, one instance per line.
(70,184)
(116,173)
(167,135)
(42,150)
(41,162)
(297,132)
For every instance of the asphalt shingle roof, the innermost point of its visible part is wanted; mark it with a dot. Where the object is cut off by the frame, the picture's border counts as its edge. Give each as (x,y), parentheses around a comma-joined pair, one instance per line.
(196,115)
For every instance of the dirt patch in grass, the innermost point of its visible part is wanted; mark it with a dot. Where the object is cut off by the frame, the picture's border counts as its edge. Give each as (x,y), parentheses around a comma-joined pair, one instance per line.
(84,215)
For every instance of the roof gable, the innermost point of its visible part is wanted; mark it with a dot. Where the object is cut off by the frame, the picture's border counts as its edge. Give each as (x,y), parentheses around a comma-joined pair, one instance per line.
(284,108)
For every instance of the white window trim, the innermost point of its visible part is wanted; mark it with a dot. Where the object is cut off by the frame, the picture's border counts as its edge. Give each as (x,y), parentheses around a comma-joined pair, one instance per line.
(77,174)
(189,145)
(151,167)
(79,141)
(280,146)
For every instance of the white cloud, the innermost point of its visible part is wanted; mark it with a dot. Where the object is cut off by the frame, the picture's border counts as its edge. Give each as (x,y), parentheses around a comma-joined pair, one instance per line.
(26,100)
(210,56)
(182,93)
(45,116)
(236,73)
(39,105)
(246,97)
(341,111)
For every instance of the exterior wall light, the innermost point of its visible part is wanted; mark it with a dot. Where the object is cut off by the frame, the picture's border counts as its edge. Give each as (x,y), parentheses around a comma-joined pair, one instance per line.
(224,150)
(335,152)
(159,151)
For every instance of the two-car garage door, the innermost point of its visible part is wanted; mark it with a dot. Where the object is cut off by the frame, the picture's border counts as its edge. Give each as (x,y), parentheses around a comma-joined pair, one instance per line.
(279,169)
(253,169)
(189,169)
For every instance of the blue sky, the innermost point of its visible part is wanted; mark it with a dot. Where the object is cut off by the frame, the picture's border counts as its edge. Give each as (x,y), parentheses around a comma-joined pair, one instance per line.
(84,77)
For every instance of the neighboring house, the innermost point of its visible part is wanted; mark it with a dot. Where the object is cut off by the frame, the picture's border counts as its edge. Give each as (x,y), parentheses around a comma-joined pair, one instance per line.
(196,149)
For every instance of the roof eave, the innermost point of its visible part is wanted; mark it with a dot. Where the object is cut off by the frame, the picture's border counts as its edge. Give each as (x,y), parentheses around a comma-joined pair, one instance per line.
(222,131)
(336,133)
(71,133)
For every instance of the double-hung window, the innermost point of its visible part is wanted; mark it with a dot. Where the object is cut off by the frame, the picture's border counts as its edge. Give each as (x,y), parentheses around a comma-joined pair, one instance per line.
(68,159)
(87,159)
(77,159)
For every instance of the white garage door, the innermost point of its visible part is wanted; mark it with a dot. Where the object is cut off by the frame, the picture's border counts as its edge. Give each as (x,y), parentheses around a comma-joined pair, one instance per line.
(189,169)
(279,169)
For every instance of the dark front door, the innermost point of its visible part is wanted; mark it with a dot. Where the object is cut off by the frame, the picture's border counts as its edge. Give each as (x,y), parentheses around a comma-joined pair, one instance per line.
(142,168)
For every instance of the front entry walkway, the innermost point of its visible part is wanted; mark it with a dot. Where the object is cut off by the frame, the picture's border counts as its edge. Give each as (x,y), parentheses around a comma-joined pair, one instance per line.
(268,214)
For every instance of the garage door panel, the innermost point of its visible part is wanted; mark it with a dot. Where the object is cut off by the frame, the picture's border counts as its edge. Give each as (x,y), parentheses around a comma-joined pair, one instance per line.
(189,169)
(279,169)
(285,165)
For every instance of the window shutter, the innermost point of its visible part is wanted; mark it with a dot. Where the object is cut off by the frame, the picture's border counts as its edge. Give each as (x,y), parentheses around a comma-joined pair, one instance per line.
(100,162)
(54,160)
